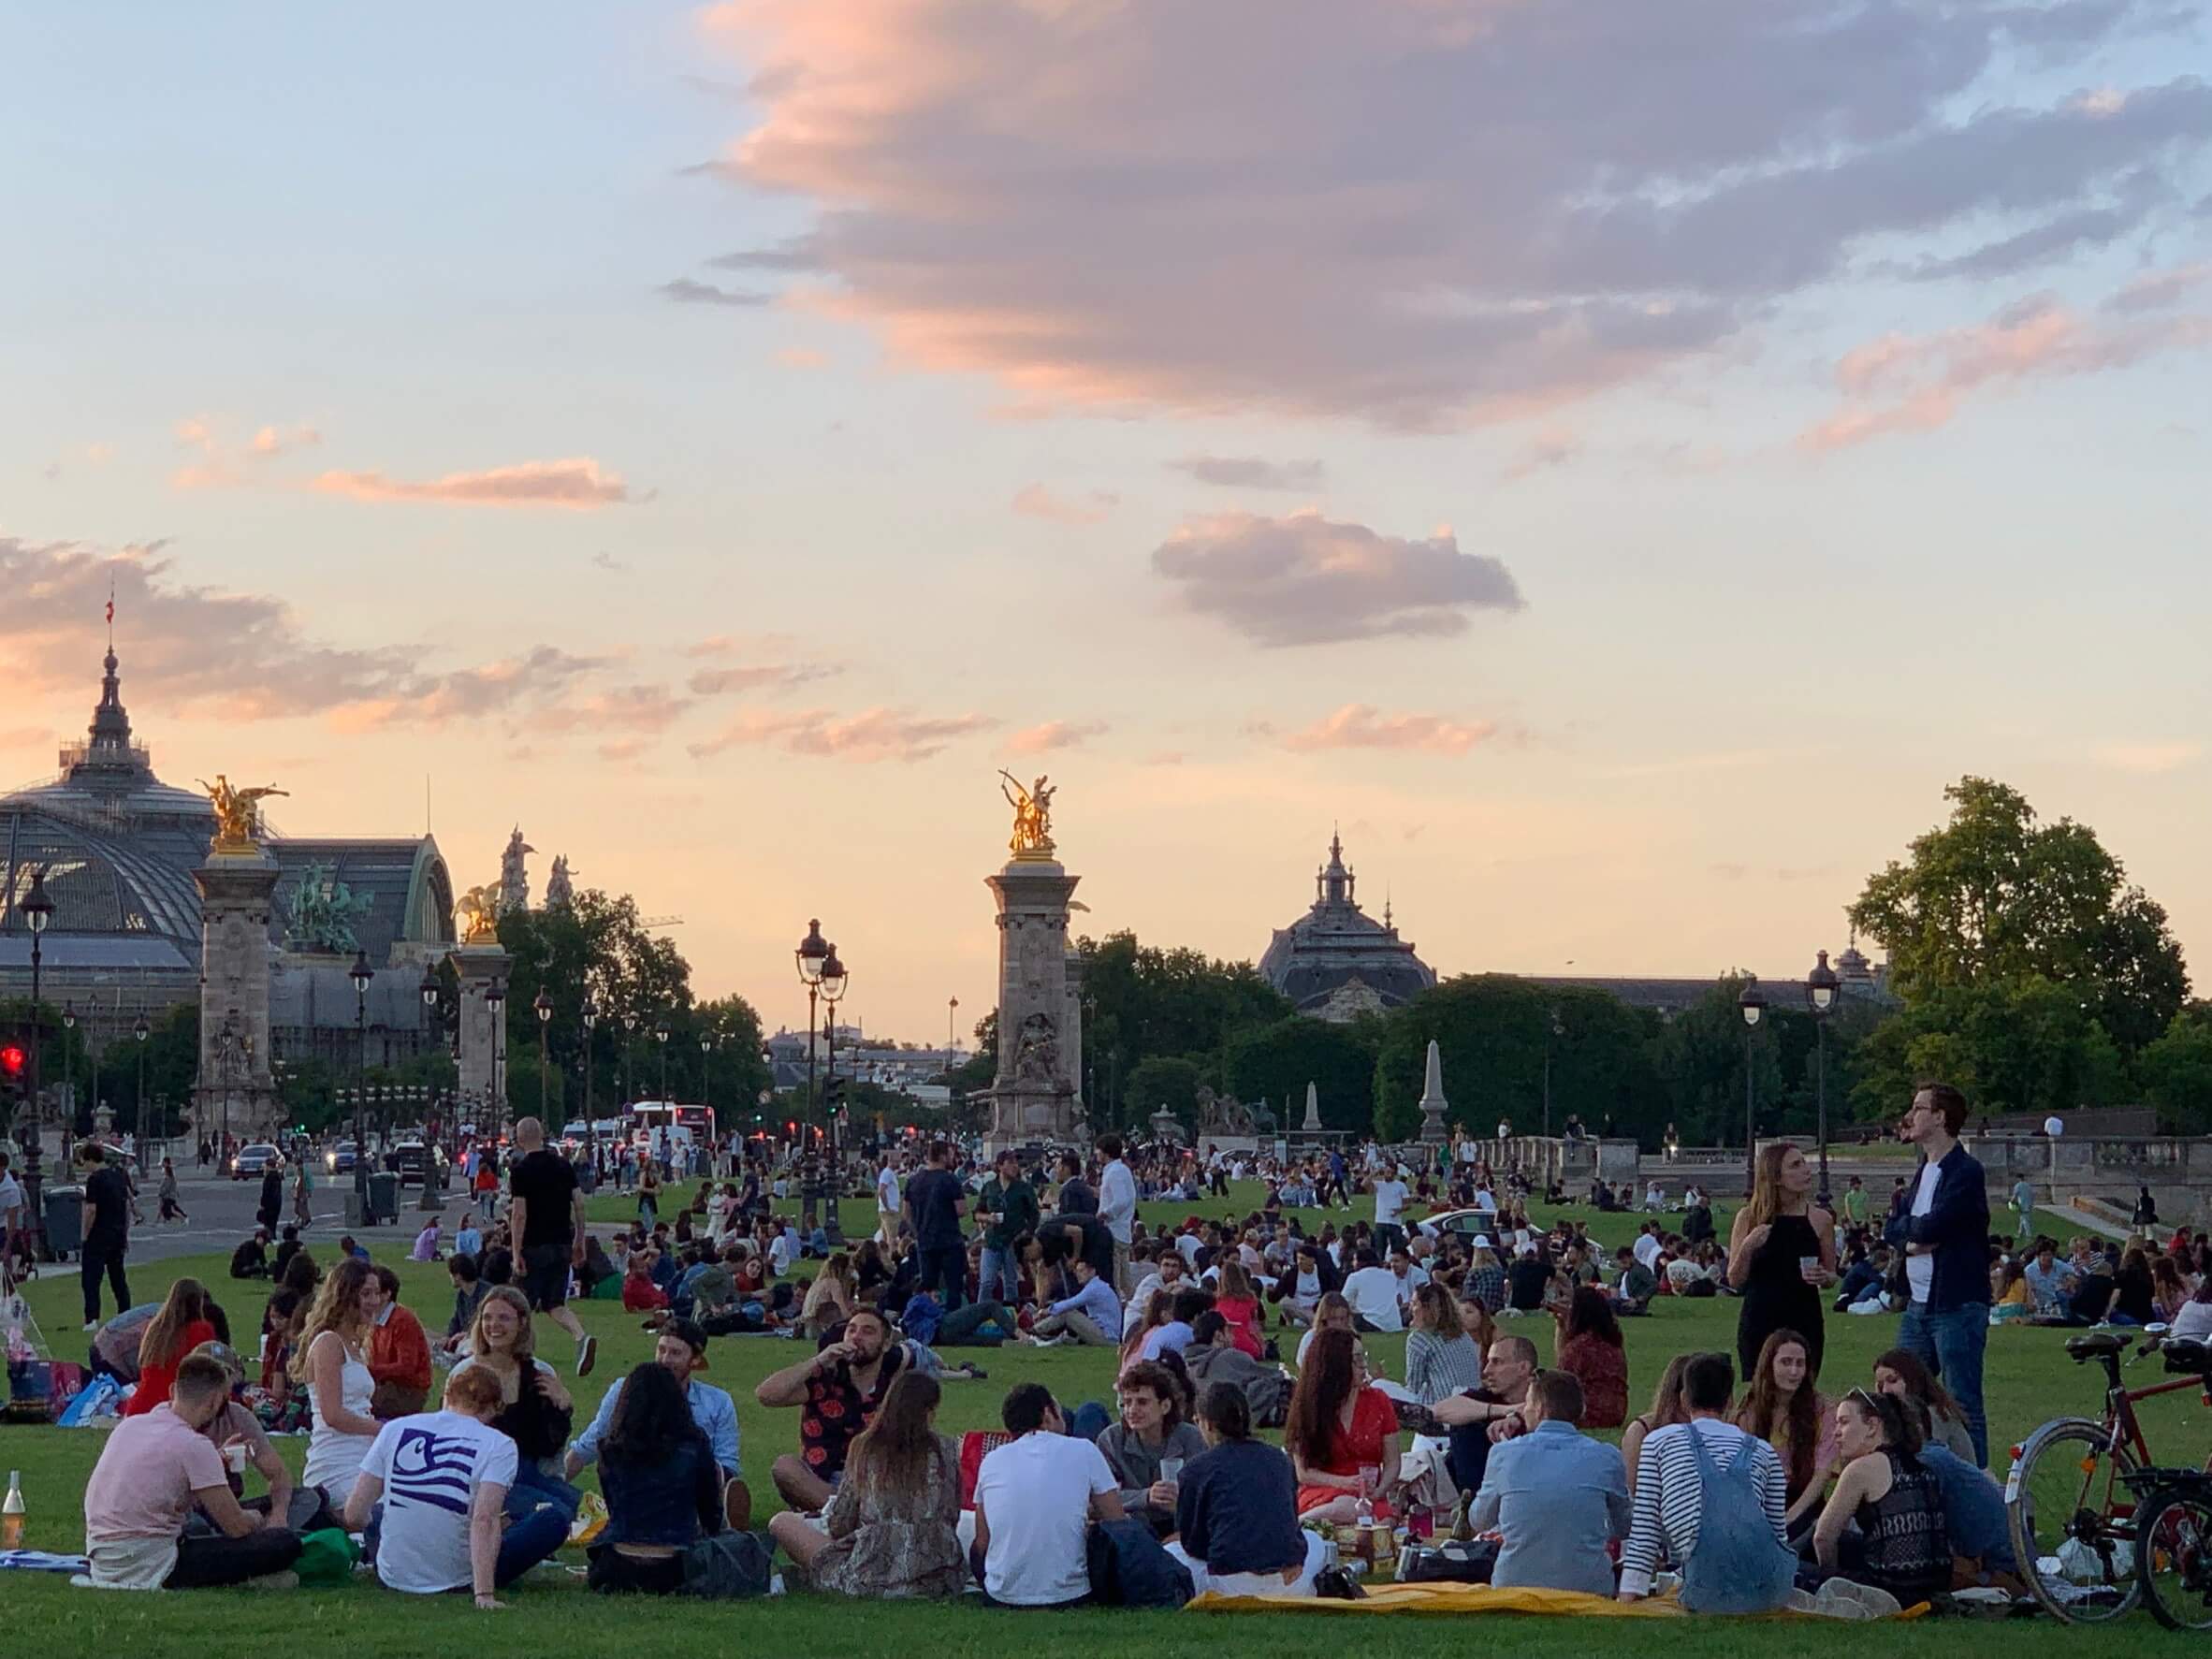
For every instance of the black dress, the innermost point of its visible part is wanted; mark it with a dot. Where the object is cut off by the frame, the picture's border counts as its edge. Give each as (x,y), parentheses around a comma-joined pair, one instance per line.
(1777,1298)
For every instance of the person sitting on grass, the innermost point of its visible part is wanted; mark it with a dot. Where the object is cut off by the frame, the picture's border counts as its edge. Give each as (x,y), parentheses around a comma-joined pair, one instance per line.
(249,1260)
(469,1290)
(1236,1510)
(398,1355)
(681,1349)
(659,1475)
(1342,1434)
(154,1469)
(1587,1343)
(839,1390)
(1784,1407)
(330,1360)
(1902,1373)
(1559,1497)
(1091,1317)
(1897,1503)
(535,1409)
(1440,1357)
(893,1530)
(1035,1498)
(640,1294)
(186,1319)
(1151,1431)
(437,1482)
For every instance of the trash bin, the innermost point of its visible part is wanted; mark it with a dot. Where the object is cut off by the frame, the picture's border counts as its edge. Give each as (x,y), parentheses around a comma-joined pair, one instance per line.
(65,1220)
(384,1197)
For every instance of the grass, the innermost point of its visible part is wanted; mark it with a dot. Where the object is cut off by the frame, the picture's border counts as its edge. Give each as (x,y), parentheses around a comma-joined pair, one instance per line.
(2029,1379)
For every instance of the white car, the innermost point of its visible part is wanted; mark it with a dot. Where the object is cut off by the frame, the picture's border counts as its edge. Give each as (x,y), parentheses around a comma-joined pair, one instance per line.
(252,1161)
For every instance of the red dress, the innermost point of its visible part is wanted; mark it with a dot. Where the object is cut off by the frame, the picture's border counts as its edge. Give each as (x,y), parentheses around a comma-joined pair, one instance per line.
(156,1381)
(1602,1369)
(1243,1313)
(1374,1419)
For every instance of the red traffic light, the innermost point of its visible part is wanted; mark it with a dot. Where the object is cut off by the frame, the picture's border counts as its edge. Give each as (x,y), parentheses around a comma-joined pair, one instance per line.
(12,1060)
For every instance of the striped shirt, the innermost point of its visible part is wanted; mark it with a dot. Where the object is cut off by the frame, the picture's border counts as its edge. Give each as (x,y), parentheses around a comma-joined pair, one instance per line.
(1437,1366)
(1671,1495)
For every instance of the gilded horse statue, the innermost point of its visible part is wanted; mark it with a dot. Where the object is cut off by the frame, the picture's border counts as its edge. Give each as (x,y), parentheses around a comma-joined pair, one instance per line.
(477,914)
(238,819)
(1033,816)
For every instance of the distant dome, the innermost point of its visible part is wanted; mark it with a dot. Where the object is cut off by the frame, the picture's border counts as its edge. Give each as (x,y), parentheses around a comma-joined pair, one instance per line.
(1336,962)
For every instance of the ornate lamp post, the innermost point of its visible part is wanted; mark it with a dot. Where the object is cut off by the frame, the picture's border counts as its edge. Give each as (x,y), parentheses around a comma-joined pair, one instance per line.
(68,1080)
(138,1034)
(495,1000)
(1752,1004)
(835,982)
(589,1010)
(429,990)
(629,1038)
(542,1006)
(812,953)
(1820,991)
(38,910)
(362,975)
(226,1041)
(708,1042)
(661,1037)
(1553,1031)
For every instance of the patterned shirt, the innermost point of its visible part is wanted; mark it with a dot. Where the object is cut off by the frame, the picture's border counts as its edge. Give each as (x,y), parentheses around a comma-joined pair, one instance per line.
(836,1411)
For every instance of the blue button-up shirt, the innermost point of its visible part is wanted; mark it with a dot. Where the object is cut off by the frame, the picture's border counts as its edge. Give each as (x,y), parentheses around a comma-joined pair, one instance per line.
(1559,1497)
(712,1409)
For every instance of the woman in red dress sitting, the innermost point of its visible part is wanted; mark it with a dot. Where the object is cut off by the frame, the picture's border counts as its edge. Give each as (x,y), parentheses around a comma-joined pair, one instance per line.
(1337,1427)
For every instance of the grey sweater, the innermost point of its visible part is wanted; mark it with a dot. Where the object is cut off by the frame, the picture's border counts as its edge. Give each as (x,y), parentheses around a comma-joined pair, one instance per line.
(1136,1466)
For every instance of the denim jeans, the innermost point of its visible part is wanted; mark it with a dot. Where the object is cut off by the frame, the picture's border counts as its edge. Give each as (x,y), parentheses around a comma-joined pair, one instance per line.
(945,1266)
(1950,1343)
(1000,1279)
(979,1325)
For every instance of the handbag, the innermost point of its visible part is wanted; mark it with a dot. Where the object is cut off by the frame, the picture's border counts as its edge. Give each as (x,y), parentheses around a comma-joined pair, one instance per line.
(728,1567)
(1457,1561)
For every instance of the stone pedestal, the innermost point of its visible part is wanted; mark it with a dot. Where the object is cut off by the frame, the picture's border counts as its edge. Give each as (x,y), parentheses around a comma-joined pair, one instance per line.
(481,1031)
(235,1085)
(1036,1096)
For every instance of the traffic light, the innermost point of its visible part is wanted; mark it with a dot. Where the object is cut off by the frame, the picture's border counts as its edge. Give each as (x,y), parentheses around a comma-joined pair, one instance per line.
(12,1061)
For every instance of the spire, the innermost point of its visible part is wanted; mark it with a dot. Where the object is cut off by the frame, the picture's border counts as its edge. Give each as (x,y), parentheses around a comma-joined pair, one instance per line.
(1335,885)
(109,734)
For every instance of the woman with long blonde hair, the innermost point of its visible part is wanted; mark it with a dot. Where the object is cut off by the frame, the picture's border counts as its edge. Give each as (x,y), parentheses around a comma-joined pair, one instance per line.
(333,1360)
(1782,1251)
(829,1298)
(893,1531)
(1667,1407)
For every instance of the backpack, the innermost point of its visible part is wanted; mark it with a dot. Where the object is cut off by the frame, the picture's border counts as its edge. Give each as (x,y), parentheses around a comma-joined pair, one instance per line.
(1129,1570)
(1738,1566)
(920,1318)
(728,1567)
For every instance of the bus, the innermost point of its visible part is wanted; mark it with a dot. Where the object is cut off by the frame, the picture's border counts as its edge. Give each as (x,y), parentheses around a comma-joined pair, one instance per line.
(665,1126)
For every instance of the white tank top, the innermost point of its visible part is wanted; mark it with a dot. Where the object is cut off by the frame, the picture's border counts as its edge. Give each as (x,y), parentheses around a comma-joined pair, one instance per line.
(334,1456)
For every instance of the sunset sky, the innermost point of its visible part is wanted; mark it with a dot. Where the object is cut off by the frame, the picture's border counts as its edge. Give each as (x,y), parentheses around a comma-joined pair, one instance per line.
(1618,459)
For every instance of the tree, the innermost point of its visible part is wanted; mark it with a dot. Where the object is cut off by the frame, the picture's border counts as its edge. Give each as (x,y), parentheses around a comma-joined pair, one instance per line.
(1163,1079)
(1273,1063)
(2177,1072)
(2023,1045)
(1993,898)
(1142,1002)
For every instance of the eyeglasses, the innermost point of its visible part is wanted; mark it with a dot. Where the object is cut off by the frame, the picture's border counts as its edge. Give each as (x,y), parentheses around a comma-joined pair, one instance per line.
(1865,1399)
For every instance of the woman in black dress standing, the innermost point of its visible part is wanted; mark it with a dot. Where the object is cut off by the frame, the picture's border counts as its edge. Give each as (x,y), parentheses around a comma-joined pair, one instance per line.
(1782,1251)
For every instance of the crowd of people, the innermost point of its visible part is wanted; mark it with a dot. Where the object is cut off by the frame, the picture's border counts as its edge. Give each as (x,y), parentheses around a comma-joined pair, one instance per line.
(1744,1479)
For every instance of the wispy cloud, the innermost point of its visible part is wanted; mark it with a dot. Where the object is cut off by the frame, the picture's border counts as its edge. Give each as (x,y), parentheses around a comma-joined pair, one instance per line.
(1251,471)
(2151,758)
(716,682)
(575,485)
(1052,735)
(1036,502)
(684,291)
(1360,725)
(1554,447)
(1305,579)
(871,736)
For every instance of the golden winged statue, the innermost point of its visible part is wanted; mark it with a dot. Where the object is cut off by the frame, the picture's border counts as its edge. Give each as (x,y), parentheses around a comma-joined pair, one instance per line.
(1033,816)
(477,915)
(238,819)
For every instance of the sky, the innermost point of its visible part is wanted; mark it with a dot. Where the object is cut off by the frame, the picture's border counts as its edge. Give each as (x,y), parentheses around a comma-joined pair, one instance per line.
(1617,461)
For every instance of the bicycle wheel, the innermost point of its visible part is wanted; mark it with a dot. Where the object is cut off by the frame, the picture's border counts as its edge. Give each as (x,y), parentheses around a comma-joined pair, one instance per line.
(2174,1557)
(2073,1522)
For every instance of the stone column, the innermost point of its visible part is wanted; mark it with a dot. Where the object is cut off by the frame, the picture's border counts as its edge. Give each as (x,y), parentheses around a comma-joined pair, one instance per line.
(1433,1102)
(479,967)
(234,893)
(1034,1096)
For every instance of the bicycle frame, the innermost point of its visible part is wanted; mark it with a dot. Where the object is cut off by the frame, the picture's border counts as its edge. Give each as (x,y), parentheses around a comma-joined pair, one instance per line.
(2123,1429)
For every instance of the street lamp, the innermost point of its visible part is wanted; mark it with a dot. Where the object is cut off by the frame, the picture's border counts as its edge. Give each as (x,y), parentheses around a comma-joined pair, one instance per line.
(361,974)
(140,1032)
(495,1000)
(813,951)
(1557,1030)
(69,1079)
(37,911)
(225,1039)
(589,1010)
(429,990)
(1752,1004)
(1820,991)
(543,1005)
(708,1042)
(628,1040)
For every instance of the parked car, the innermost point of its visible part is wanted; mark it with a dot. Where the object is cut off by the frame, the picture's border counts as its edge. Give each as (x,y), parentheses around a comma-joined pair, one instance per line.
(249,1162)
(409,1159)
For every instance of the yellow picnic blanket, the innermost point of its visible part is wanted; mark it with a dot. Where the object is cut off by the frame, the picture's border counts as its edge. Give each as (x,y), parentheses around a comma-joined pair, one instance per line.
(1455,1599)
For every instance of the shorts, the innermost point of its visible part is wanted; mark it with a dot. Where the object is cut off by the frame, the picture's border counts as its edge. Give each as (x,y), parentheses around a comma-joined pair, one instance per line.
(544,1277)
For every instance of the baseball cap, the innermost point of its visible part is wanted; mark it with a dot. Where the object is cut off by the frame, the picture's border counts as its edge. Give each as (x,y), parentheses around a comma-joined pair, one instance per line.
(224,1356)
(691,1333)
(1482,1242)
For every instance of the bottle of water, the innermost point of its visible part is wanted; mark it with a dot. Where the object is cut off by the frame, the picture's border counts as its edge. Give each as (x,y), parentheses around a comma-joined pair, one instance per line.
(11,1512)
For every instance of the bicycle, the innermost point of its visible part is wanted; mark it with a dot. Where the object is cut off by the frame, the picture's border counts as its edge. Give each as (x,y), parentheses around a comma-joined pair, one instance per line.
(2073,1523)
(2173,1556)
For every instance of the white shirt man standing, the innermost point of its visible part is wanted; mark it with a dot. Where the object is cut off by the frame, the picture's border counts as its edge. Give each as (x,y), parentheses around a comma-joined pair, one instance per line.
(1118,1207)
(887,1186)
(1390,1203)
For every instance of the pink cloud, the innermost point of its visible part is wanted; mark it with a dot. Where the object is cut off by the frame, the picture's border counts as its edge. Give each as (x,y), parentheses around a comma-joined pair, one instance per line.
(1052,735)
(1036,502)
(1360,725)
(1904,383)
(575,485)
(872,734)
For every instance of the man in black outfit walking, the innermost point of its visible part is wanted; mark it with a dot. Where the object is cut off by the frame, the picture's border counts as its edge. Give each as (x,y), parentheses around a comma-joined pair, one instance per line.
(107,1230)
(936,1202)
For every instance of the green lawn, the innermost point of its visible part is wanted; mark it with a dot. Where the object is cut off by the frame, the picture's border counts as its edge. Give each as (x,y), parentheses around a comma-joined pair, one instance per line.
(2029,1379)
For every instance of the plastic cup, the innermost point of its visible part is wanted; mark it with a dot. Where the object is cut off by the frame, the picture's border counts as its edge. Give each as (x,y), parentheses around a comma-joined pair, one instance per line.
(1170,1468)
(1807,1268)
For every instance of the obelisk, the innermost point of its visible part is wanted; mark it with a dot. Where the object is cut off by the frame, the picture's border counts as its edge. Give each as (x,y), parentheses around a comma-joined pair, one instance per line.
(1313,1111)
(1433,1098)
(1034,1098)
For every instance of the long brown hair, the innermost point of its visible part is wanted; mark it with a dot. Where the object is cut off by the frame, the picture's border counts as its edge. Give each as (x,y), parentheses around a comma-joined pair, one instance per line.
(892,1454)
(1434,1301)
(1764,1202)
(337,1307)
(187,1301)
(1667,1405)
(1761,1411)
(1325,1382)
(1234,1280)
(1920,1382)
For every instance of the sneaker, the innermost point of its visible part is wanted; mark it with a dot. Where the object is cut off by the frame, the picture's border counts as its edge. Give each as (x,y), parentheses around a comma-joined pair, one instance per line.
(92,1324)
(587,1354)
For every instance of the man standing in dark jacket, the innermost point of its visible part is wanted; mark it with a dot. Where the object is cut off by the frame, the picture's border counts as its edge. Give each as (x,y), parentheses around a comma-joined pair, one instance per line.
(1943,1229)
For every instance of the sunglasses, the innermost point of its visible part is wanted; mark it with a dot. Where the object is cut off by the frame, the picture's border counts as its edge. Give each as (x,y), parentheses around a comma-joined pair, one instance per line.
(1865,1399)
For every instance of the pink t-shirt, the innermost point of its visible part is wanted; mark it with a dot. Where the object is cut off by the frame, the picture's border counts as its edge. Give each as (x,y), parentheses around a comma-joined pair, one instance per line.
(147,1474)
